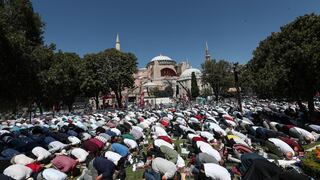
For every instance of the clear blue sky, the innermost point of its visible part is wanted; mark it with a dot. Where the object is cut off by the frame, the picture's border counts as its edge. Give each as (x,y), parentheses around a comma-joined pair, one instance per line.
(176,28)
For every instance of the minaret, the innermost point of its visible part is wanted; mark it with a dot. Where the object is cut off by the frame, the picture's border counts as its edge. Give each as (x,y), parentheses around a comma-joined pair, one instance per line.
(208,57)
(118,43)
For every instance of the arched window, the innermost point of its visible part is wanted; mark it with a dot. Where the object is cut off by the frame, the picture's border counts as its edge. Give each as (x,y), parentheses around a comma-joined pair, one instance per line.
(168,72)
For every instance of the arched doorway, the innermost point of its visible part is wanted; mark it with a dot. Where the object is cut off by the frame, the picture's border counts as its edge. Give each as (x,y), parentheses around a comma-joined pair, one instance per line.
(168,72)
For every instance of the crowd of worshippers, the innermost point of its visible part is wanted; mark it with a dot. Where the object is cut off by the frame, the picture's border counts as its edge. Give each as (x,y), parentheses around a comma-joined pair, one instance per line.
(218,142)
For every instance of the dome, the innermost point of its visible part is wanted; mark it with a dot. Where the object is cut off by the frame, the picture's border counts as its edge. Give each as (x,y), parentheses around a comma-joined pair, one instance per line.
(187,73)
(149,84)
(161,58)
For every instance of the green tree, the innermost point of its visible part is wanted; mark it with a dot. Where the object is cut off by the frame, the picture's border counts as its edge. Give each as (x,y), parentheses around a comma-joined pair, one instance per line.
(206,92)
(43,57)
(246,80)
(62,80)
(21,32)
(122,67)
(153,92)
(194,86)
(218,74)
(286,64)
(177,90)
(94,76)
(167,92)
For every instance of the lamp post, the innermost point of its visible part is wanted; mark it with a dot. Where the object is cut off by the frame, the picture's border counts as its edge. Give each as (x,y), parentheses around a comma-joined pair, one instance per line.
(236,81)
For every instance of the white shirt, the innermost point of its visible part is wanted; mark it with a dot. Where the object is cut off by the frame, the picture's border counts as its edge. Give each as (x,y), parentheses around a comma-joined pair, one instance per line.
(170,116)
(315,127)
(86,136)
(191,136)
(180,162)
(273,124)
(217,128)
(4,131)
(137,134)
(212,119)
(80,154)
(18,171)
(179,114)
(143,124)
(81,125)
(183,127)
(186,129)
(194,120)
(181,121)
(137,128)
(245,121)
(113,156)
(232,123)
(159,131)
(256,127)
(160,142)
(284,147)
(305,133)
(56,145)
(207,148)
(238,140)
(53,174)
(164,166)
(74,140)
(40,153)
(209,136)
(130,143)
(117,131)
(239,134)
(22,159)
(216,171)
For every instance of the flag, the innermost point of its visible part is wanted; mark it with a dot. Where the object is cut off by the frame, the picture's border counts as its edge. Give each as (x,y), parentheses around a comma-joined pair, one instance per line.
(142,99)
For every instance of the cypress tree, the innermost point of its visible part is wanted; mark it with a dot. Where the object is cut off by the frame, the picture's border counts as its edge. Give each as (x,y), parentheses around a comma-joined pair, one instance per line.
(194,86)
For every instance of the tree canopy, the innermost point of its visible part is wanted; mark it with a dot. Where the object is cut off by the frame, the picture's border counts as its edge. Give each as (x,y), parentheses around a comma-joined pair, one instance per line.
(32,72)
(94,75)
(194,86)
(62,80)
(121,67)
(218,74)
(21,32)
(286,64)
(167,92)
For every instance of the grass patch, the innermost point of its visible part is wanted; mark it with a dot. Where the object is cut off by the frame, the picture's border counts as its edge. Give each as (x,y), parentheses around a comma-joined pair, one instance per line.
(308,146)
(134,174)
